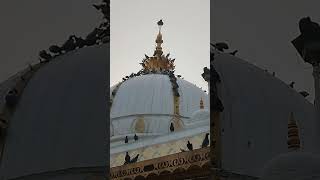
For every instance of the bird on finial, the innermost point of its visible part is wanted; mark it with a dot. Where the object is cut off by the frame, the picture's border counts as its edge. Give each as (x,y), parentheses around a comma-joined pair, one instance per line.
(160,23)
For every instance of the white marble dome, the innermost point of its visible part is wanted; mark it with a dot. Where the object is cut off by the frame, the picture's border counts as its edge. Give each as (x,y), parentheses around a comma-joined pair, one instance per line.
(151,97)
(293,166)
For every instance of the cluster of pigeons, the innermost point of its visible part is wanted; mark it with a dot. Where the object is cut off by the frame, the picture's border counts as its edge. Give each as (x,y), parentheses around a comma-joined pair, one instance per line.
(174,84)
(221,46)
(303,93)
(205,143)
(128,160)
(135,137)
(99,35)
(139,73)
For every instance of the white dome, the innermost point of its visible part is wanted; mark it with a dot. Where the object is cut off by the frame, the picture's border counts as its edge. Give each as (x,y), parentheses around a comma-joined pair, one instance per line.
(152,94)
(293,166)
(200,115)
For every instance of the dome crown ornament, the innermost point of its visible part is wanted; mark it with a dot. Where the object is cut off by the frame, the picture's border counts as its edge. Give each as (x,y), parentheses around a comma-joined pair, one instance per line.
(293,134)
(158,63)
(201,104)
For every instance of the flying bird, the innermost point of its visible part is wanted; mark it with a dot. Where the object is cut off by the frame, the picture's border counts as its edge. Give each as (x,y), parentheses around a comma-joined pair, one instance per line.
(205,141)
(135,137)
(135,159)
(189,146)
(126,139)
(127,158)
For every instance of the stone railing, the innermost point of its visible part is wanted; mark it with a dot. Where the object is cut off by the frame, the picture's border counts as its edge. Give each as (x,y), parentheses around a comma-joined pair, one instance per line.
(170,163)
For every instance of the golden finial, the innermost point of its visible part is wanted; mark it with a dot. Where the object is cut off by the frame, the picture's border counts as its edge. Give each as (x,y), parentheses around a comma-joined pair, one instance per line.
(201,104)
(158,52)
(293,134)
(159,62)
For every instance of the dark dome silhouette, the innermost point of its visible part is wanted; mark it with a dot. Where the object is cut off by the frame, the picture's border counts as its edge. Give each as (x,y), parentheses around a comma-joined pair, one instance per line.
(59,127)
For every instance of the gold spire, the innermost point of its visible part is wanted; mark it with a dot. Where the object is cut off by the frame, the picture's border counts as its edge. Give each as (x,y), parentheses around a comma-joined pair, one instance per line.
(158,52)
(201,104)
(158,62)
(293,134)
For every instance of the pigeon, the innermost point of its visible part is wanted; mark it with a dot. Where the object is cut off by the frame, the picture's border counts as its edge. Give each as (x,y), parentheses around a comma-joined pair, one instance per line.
(189,146)
(171,127)
(80,42)
(127,158)
(135,159)
(44,55)
(234,52)
(98,7)
(291,84)
(55,49)
(160,23)
(205,142)
(221,46)
(304,93)
(126,139)
(135,137)
(69,45)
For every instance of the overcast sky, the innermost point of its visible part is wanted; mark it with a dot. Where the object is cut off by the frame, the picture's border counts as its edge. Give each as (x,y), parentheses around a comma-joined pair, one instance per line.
(262,32)
(186,35)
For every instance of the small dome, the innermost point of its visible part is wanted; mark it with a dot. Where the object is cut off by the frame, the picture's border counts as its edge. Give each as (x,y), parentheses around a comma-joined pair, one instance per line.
(292,166)
(200,115)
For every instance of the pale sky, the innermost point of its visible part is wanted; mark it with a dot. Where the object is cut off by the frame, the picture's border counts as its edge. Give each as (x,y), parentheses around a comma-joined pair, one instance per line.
(260,30)
(186,35)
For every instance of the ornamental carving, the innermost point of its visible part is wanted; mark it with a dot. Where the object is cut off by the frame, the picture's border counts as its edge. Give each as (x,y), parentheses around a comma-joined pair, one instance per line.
(170,163)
